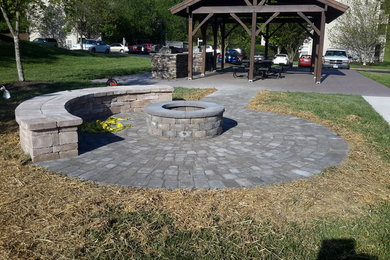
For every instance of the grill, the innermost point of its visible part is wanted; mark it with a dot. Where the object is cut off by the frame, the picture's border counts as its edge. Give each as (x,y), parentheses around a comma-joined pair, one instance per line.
(336,62)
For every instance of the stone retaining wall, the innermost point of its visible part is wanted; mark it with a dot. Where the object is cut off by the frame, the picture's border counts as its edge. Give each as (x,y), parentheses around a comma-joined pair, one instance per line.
(48,123)
(172,66)
(185,129)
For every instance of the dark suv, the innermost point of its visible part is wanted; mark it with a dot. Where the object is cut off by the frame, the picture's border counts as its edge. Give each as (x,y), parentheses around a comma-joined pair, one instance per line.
(47,41)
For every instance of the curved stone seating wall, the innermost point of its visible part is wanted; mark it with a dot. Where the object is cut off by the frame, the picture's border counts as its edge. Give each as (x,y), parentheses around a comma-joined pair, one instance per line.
(48,123)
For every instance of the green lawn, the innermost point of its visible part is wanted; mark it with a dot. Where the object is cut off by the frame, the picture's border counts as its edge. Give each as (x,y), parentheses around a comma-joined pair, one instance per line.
(49,69)
(49,64)
(382,65)
(383,78)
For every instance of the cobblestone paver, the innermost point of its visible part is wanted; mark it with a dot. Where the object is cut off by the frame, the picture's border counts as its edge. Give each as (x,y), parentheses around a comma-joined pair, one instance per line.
(256,148)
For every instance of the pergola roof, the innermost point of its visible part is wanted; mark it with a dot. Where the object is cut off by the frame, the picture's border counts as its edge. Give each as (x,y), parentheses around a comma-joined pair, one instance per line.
(287,8)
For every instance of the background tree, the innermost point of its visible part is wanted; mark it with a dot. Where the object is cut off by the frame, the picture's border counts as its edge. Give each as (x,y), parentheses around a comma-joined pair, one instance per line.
(14,12)
(290,37)
(90,18)
(51,22)
(3,24)
(360,29)
(155,25)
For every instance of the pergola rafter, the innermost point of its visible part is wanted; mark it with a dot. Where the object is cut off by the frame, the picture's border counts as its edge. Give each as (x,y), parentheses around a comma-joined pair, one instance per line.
(250,13)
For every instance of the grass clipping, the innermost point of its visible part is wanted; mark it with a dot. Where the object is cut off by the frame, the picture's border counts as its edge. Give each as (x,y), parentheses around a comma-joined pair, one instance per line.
(45,215)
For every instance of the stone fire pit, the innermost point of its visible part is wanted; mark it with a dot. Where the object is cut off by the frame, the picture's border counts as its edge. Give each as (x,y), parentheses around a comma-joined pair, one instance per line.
(184,119)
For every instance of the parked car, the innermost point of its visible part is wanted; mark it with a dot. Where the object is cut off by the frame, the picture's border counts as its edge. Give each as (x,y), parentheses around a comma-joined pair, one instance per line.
(119,47)
(209,48)
(232,56)
(147,48)
(336,59)
(46,41)
(281,59)
(133,49)
(92,46)
(259,56)
(304,61)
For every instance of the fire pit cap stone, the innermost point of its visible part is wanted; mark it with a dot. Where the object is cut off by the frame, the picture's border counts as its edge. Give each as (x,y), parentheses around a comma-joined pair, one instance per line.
(165,109)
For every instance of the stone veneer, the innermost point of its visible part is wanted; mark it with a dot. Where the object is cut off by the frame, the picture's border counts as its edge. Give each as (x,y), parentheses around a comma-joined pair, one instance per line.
(48,123)
(175,65)
(184,119)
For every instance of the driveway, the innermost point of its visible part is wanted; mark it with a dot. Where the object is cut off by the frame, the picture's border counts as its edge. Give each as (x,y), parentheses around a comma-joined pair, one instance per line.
(296,80)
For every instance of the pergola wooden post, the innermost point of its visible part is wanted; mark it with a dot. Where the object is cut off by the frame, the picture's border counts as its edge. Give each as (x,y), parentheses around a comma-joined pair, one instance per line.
(314,52)
(190,46)
(215,35)
(266,38)
(223,32)
(253,42)
(243,12)
(318,72)
(204,46)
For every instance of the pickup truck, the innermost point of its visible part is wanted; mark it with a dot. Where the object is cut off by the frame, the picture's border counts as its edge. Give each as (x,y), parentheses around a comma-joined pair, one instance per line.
(336,59)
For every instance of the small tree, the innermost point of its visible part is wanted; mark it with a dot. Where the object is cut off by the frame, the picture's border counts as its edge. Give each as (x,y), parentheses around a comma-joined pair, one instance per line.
(13,11)
(360,29)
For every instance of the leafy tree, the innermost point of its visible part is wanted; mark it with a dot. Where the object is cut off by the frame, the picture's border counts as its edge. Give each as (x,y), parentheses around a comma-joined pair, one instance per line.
(147,20)
(90,18)
(51,22)
(176,27)
(360,30)
(3,24)
(14,11)
(289,37)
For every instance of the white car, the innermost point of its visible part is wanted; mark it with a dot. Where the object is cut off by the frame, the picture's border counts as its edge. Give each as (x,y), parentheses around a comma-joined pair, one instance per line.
(281,59)
(119,47)
(336,59)
(92,46)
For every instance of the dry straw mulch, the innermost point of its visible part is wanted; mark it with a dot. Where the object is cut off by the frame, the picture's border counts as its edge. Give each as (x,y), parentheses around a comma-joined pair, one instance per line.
(44,215)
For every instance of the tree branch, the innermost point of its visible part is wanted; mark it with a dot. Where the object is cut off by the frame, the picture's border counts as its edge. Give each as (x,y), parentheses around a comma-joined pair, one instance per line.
(6,18)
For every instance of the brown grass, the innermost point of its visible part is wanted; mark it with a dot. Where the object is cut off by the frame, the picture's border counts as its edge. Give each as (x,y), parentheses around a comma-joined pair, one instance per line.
(192,94)
(44,215)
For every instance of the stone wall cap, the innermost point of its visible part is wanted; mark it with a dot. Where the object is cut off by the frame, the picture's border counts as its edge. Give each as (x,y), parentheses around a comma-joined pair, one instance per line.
(164,109)
(49,110)
(38,123)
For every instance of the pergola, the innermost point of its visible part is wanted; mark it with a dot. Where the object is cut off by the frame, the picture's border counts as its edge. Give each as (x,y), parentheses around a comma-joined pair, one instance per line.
(251,13)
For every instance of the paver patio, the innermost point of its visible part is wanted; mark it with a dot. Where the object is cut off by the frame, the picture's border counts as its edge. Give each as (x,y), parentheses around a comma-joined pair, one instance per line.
(256,148)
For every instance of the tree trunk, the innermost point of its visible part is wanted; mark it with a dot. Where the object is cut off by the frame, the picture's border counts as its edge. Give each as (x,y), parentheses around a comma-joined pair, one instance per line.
(291,55)
(19,65)
(15,34)
(364,58)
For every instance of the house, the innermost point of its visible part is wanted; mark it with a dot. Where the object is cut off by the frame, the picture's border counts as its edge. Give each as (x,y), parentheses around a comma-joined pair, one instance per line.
(50,22)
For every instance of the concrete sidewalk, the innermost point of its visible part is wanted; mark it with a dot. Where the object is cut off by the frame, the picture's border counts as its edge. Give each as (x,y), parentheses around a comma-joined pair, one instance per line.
(381,105)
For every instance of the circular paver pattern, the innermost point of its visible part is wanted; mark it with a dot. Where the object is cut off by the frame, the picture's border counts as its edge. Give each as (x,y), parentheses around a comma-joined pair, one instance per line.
(256,148)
